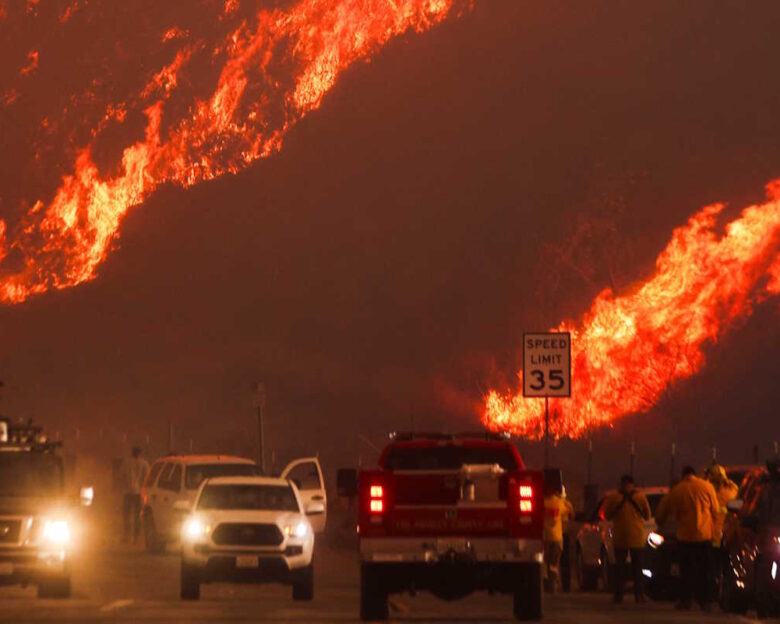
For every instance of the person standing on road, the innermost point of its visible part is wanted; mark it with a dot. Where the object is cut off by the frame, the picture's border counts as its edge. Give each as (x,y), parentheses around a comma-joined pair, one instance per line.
(135,470)
(628,510)
(557,510)
(726,491)
(693,503)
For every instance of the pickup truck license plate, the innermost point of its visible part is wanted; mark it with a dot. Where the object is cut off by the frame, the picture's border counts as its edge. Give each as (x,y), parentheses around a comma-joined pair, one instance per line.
(246,561)
(6,569)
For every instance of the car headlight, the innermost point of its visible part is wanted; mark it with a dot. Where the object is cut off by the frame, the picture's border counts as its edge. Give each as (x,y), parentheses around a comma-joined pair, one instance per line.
(56,532)
(297,530)
(194,529)
(655,540)
(776,540)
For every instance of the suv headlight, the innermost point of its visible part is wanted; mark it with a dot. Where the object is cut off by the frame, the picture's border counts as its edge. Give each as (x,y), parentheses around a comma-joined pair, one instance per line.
(655,540)
(56,532)
(300,530)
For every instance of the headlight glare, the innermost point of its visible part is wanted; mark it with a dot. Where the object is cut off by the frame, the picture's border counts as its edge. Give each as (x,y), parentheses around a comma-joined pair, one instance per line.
(194,529)
(56,532)
(655,540)
(299,530)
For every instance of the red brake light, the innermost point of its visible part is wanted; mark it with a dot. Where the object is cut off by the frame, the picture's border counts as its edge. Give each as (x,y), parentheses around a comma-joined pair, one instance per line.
(376,503)
(526,498)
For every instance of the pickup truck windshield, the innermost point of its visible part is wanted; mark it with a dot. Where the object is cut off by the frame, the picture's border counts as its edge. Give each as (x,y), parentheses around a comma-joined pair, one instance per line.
(30,474)
(249,497)
(450,457)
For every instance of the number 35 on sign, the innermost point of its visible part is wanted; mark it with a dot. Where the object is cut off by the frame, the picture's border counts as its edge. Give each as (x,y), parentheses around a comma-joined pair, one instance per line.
(547,364)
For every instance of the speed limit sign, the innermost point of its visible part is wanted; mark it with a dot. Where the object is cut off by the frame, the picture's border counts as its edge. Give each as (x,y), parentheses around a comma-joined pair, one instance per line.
(547,364)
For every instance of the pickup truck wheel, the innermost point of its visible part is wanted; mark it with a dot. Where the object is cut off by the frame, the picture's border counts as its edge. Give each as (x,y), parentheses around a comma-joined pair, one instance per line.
(587,576)
(190,582)
(528,597)
(55,588)
(153,542)
(303,587)
(373,594)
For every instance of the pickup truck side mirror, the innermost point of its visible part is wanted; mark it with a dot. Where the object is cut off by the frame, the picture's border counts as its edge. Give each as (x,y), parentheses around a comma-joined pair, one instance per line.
(315,508)
(86,496)
(182,505)
(735,505)
(347,482)
(749,522)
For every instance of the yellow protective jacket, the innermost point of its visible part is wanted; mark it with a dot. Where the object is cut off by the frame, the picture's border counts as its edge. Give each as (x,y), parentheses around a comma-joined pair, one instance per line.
(725,493)
(557,510)
(694,504)
(628,513)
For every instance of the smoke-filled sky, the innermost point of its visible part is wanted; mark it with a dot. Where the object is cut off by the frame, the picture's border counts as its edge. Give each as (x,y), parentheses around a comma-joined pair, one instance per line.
(387,259)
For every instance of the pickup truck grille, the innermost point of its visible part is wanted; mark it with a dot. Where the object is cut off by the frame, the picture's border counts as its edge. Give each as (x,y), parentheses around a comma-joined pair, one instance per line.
(235,534)
(9,531)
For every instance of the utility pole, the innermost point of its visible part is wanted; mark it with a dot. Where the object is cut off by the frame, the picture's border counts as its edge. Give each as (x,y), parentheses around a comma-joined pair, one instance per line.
(260,405)
(546,432)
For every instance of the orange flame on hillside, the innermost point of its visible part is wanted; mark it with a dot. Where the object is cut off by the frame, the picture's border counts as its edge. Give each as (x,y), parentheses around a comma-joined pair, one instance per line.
(629,350)
(276,69)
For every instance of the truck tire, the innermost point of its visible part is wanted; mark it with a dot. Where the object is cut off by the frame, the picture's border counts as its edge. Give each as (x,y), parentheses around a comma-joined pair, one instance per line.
(587,576)
(55,588)
(528,597)
(190,582)
(373,594)
(153,542)
(303,587)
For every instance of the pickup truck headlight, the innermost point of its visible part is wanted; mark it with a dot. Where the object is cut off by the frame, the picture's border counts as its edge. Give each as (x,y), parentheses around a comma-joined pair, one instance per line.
(56,532)
(194,530)
(655,540)
(300,530)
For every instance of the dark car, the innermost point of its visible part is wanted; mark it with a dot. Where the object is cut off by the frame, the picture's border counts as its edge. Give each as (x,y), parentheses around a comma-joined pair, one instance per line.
(751,546)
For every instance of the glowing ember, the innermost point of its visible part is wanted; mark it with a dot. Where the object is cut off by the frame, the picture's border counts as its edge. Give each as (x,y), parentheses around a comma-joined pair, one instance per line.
(628,350)
(276,69)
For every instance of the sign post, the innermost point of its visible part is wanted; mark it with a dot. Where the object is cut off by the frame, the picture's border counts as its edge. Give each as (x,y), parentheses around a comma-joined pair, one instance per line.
(547,372)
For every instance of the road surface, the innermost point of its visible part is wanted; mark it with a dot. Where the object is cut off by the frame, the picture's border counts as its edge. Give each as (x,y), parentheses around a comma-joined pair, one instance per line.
(123,583)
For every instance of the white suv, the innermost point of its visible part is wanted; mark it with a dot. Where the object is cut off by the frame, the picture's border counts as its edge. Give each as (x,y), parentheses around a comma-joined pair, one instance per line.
(173,481)
(248,529)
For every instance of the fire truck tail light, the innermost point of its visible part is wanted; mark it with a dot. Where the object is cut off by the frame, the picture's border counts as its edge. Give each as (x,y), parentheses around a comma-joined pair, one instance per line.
(526,498)
(376,503)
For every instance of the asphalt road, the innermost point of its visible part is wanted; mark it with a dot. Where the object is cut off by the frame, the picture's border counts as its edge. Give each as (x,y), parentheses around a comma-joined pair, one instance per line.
(123,583)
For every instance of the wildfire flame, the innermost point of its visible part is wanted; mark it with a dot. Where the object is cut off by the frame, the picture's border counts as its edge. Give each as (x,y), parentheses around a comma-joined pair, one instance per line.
(628,350)
(277,68)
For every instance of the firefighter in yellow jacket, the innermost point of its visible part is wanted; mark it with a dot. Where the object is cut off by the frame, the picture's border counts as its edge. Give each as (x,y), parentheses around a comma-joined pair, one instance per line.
(628,510)
(693,503)
(725,491)
(557,510)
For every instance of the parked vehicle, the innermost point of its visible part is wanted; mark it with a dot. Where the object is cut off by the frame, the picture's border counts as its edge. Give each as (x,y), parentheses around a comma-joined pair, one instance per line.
(450,514)
(750,575)
(172,484)
(249,529)
(39,521)
(595,553)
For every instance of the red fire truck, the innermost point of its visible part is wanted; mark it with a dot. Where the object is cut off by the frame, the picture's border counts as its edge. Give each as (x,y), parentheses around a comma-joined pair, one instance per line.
(449,514)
